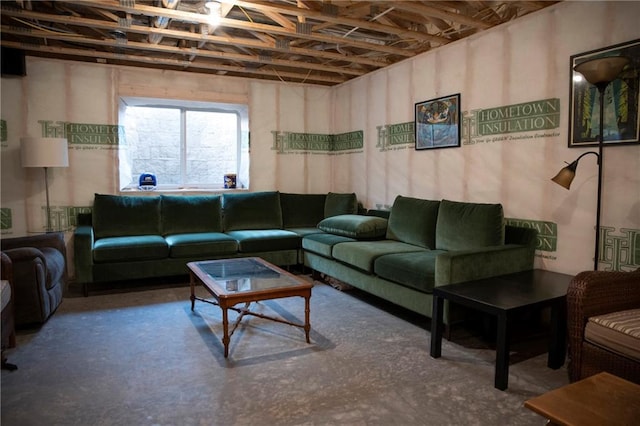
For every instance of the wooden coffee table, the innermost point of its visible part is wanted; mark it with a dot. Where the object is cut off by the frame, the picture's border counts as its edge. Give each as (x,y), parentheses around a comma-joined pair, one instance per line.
(504,296)
(602,399)
(246,280)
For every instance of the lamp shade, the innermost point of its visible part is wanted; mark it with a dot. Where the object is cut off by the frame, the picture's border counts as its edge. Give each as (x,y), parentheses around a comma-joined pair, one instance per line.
(566,175)
(602,70)
(44,152)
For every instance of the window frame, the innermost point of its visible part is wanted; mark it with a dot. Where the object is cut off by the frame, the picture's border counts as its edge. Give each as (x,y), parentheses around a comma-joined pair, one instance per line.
(242,114)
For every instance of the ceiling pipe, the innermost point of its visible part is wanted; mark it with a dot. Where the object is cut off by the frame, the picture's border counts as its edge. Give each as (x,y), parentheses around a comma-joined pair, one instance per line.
(162,21)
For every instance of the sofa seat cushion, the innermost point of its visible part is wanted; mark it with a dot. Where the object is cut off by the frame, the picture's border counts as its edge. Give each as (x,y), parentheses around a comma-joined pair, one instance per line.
(469,226)
(323,243)
(56,265)
(127,249)
(256,240)
(362,254)
(305,231)
(355,226)
(415,270)
(617,331)
(201,244)
(191,214)
(121,215)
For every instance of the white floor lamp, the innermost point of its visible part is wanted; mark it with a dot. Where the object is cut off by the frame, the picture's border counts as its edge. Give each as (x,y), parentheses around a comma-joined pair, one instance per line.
(45,153)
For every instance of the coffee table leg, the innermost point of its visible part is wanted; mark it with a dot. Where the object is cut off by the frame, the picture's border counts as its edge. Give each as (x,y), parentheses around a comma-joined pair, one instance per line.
(193,290)
(557,342)
(225,329)
(307,323)
(502,354)
(436,327)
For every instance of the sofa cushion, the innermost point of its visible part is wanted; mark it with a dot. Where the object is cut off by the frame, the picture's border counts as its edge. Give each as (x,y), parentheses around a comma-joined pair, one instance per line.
(413,221)
(617,331)
(198,244)
(355,226)
(193,213)
(468,226)
(337,204)
(415,270)
(302,210)
(323,243)
(118,216)
(252,241)
(251,210)
(130,248)
(362,254)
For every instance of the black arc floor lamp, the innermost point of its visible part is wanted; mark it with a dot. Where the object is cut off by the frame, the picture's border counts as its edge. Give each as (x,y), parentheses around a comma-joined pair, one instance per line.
(599,72)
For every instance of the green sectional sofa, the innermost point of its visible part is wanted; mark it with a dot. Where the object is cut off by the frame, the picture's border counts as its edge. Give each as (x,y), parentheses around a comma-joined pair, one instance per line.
(425,244)
(133,237)
(399,255)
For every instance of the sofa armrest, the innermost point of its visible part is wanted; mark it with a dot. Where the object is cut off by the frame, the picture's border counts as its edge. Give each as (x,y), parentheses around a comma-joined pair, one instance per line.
(460,266)
(83,239)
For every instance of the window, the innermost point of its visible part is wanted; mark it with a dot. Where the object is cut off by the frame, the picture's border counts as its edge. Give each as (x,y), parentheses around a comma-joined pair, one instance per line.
(186,145)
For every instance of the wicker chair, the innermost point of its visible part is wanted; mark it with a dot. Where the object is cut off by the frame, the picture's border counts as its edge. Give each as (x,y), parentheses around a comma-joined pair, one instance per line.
(594,293)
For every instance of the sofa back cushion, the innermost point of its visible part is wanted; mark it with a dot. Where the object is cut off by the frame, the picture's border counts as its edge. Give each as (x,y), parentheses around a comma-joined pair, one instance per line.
(468,226)
(192,213)
(302,210)
(338,204)
(413,221)
(251,210)
(120,216)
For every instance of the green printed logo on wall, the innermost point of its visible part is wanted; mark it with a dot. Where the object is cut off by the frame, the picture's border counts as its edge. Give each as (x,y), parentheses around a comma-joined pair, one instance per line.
(3,132)
(303,143)
(482,125)
(84,135)
(486,125)
(547,233)
(619,252)
(396,136)
(65,218)
(5,219)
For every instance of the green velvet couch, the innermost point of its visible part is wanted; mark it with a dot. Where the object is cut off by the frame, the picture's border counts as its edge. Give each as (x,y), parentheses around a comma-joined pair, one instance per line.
(134,237)
(422,244)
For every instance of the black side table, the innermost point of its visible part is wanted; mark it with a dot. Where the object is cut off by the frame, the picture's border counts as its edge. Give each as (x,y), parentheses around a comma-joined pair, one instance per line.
(503,297)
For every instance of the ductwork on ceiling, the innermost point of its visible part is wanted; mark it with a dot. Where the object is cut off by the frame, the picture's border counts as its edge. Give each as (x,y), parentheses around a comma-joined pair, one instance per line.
(161,21)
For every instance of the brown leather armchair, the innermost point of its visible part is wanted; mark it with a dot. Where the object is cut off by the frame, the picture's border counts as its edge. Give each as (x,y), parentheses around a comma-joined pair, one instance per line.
(39,264)
(8,329)
(592,294)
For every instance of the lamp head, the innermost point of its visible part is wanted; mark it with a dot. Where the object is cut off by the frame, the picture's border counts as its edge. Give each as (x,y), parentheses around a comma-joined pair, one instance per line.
(602,70)
(566,175)
(44,152)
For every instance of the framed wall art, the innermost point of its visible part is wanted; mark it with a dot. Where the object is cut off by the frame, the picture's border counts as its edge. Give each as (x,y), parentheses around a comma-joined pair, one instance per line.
(437,123)
(621,119)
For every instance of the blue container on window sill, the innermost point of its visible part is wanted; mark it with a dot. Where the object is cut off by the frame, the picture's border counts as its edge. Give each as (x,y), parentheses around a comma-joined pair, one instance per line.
(147,182)
(230,181)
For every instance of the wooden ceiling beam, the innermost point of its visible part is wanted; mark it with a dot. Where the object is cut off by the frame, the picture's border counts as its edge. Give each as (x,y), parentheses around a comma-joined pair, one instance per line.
(194,52)
(428,11)
(339,20)
(175,62)
(152,11)
(185,35)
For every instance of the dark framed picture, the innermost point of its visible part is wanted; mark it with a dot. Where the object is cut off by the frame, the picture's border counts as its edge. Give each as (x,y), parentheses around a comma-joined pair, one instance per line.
(621,120)
(438,123)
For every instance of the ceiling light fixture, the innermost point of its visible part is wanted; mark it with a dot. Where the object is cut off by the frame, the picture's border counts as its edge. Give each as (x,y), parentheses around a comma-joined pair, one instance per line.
(214,9)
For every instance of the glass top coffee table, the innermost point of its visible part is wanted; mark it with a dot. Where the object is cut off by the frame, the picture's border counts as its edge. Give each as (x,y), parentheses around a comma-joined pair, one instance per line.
(246,280)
